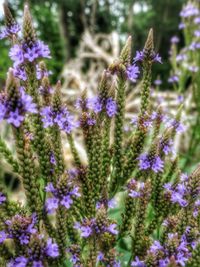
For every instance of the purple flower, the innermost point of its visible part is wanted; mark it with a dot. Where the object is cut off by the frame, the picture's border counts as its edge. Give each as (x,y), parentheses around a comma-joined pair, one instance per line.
(177,197)
(105,202)
(95,104)
(181,259)
(197,20)
(21,53)
(138,263)
(62,118)
(47,116)
(20,73)
(15,118)
(156,246)
(52,204)
(158,82)
(52,159)
(197,33)
(31,54)
(111,229)
(42,50)
(173,79)
(179,58)
(40,73)
(13,108)
(3,236)
(90,227)
(193,68)
(181,26)
(189,11)
(167,146)
(133,72)
(21,228)
(134,194)
(178,126)
(9,31)
(16,54)
(36,254)
(193,46)
(100,256)
(37,264)
(184,177)
(174,40)
(91,121)
(140,56)
(111,107)
(18,262)
(154,163)
(168,187)
(164,262)
(52,249)
(2,198)
(180,99)
(62,197)
(86,231)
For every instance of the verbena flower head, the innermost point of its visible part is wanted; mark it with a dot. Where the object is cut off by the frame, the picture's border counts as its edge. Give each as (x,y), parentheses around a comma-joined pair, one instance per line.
(175,40)
(2,198)
(63,193)
(96,226)
(158,82)
(15,103)
(21,228)
(9,31)
(75,255)
(140,56)
(38,253)
(98,105)
(189,10)
(108,260)
(138,263)
(20,54)
(12,27)
(148,162)
(133,72)
(62,118)
(135,188)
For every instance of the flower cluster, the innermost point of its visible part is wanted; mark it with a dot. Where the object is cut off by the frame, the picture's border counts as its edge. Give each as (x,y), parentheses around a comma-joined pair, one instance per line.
(92,227)
(63,194)
(98,104)
(38,253)
(20,228)
(181,192)
(2,198)
(135,188)
(15,105)
(133,72)
(62,118)
(9,31)
(189,10)
(19,54)
(148,162)
(175,250)
(140,56)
